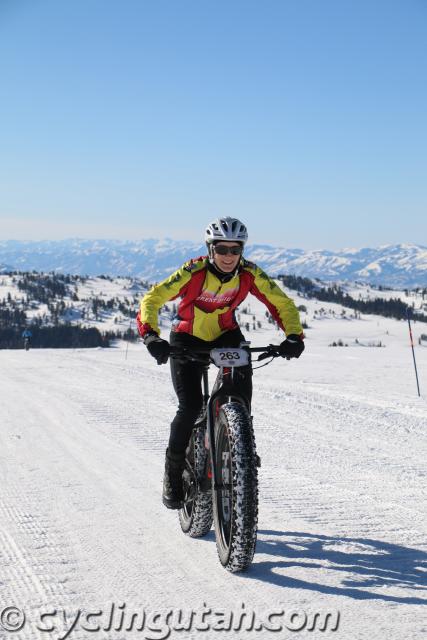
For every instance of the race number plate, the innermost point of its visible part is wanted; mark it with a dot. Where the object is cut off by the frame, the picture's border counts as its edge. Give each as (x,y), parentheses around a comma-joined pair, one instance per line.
(230,357)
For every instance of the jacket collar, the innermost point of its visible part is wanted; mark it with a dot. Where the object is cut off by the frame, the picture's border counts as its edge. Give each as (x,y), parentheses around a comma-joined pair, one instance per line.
(223,277)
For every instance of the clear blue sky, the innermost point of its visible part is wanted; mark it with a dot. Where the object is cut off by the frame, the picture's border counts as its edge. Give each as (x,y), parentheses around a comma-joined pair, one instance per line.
(134,118)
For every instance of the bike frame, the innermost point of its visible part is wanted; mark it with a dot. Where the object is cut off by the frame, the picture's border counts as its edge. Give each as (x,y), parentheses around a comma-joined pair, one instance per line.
(224,386)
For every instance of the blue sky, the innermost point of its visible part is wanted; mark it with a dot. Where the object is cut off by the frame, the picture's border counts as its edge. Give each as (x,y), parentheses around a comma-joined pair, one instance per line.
(131,119)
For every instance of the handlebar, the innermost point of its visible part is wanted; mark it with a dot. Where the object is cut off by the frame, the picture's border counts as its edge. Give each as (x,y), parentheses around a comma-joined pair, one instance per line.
(203,354)
(272,351)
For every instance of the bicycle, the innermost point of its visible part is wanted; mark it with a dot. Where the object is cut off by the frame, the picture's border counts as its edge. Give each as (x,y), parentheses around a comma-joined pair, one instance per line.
(220,478)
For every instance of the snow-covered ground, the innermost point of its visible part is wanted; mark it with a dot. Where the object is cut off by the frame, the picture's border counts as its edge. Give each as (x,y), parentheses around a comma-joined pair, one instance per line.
(417,298)
(342,524)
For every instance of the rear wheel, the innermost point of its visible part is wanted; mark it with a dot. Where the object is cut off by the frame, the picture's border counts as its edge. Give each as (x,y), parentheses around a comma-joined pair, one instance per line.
(236,499)
(196,515)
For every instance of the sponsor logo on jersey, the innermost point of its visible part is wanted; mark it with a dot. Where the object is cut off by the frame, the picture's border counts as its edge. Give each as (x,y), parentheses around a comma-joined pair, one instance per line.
(208,301)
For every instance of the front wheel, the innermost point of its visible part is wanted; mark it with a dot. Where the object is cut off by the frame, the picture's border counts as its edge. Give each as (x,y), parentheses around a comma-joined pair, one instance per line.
(236,498)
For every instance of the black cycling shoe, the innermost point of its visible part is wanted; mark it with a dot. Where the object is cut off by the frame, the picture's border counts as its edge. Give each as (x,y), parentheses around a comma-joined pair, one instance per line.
(173,492)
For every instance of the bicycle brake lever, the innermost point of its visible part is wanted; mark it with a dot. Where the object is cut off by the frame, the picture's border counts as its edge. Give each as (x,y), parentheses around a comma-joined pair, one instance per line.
(271,353)
(263,356)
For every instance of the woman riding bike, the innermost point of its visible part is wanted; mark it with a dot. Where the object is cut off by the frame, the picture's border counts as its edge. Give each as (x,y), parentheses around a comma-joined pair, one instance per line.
(210,289)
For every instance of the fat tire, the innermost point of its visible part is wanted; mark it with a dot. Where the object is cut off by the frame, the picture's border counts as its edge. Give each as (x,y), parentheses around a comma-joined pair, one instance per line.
(196,516)
(236,541)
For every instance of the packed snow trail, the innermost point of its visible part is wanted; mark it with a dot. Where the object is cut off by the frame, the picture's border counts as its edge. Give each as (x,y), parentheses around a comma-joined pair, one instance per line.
(342,495)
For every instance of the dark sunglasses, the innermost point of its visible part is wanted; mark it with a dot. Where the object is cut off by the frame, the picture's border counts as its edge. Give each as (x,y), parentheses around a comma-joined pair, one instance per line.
(222,250)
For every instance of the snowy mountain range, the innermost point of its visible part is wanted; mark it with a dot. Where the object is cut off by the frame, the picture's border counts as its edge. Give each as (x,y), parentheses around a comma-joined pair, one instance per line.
(402,265)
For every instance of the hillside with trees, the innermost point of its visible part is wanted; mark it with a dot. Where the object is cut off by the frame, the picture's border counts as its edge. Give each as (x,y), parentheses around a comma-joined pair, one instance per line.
(72,311)
(53,308)
(392,307)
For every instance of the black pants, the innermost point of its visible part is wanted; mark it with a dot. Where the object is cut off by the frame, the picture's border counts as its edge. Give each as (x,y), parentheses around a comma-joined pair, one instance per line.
(187,382)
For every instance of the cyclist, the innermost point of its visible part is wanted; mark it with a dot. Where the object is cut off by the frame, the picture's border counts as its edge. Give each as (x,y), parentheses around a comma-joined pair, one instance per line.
(26,336)
(210,289)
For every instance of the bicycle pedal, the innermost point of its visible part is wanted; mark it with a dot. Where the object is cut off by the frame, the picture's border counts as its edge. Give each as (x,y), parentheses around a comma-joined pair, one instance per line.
(258,461)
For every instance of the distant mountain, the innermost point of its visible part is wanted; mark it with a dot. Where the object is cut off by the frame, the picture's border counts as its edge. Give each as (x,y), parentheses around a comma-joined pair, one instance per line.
(402,265)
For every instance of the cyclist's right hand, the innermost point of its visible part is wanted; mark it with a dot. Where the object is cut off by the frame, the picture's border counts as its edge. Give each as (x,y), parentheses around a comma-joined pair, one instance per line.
(157,347)
(292,347)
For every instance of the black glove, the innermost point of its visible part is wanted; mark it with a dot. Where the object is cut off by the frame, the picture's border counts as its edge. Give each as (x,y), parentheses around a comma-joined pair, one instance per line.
(157,347)
(292,347)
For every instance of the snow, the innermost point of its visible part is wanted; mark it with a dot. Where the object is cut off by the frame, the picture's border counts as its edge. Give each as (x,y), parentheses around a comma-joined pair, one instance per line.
(342,437)
(372,268)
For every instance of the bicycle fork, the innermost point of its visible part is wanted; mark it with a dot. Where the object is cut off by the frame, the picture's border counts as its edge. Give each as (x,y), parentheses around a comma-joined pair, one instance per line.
(211,414)
(225,388)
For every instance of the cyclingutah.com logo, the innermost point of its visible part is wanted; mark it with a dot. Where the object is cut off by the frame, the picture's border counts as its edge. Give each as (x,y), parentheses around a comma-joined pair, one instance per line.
(60,623)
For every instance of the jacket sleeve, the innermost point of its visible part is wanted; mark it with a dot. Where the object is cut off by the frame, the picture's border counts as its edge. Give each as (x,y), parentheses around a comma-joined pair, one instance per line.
(159,294)
(281,307)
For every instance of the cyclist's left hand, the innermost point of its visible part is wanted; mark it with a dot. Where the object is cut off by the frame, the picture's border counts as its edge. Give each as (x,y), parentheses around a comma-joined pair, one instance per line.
(292,347)
(157,347)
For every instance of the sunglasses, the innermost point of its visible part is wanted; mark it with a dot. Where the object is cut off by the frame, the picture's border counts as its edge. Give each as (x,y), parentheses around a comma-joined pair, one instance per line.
(222,250)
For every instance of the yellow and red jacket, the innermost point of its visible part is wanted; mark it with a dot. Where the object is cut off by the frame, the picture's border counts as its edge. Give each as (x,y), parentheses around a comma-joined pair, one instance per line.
(207,306)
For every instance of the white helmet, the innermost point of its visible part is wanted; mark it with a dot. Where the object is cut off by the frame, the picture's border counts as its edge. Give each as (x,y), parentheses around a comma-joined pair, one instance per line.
(226,229)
